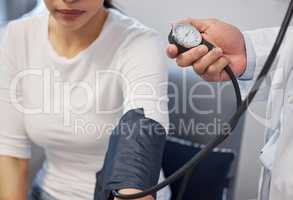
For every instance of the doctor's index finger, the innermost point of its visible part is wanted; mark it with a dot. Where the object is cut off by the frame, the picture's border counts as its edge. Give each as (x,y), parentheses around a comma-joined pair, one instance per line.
(172,51)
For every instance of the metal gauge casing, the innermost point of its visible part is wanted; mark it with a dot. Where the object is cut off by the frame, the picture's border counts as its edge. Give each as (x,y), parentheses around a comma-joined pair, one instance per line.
(186,37)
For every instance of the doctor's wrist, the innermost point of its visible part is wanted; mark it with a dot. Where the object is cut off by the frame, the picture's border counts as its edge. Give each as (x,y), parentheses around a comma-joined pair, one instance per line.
(249,67)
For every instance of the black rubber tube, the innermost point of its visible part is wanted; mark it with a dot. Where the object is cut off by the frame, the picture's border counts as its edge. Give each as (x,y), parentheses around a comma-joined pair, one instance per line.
(188,174)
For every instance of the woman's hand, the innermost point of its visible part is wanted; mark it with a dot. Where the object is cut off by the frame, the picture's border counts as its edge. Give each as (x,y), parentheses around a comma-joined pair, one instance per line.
(134,191)
(210,65)
(13,178)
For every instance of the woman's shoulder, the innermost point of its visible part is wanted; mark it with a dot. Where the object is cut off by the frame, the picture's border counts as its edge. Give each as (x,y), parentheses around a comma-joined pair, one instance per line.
(141,47)
(25,30)
(118,17)
(22,34)
(130,30)
(27,24)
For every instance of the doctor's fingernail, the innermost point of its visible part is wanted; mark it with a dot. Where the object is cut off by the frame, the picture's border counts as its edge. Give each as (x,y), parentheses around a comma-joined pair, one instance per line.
(202,48)
(218,50)
(172,24)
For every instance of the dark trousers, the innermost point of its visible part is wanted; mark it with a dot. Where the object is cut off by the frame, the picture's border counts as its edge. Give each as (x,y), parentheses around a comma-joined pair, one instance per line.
(38,194)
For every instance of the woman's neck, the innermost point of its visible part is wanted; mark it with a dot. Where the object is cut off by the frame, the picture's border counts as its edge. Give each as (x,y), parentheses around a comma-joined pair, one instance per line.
(69,43)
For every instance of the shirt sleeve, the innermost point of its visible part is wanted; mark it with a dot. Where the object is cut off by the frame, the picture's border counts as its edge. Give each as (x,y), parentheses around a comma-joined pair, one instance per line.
(145,76)
(13,138)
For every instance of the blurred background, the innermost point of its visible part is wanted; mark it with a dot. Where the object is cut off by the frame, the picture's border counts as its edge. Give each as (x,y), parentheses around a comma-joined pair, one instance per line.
(245,14)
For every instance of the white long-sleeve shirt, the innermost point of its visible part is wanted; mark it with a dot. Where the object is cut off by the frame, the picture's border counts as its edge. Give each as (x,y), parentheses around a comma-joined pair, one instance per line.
(276,157)
(70,106)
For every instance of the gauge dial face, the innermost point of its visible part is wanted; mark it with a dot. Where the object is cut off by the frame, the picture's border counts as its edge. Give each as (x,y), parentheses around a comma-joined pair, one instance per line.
(186,35)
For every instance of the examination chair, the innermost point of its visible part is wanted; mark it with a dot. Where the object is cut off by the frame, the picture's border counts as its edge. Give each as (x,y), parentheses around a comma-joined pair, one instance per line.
(210,179)
(214,177)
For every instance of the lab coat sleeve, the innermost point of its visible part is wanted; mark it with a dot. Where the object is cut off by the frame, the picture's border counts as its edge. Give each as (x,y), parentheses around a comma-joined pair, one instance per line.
(258,47)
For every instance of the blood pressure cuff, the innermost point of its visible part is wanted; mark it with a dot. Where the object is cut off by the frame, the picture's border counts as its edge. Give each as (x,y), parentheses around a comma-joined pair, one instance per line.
(134,156)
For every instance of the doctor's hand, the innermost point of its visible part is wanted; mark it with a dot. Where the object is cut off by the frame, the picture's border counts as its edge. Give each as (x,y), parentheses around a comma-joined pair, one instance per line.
(210,65)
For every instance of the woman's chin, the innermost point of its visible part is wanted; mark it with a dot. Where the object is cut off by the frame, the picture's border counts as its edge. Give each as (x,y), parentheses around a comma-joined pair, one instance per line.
(70,25)
(70,22)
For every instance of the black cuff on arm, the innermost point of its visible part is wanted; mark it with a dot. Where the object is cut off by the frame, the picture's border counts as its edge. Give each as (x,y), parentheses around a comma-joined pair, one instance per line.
(134,155)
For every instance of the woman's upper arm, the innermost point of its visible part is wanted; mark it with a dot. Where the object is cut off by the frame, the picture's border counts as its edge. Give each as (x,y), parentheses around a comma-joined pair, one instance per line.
(13,138)
(14,143)
(145,77)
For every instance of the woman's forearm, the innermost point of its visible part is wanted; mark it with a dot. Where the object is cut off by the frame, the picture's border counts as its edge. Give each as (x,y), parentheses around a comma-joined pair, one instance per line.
(133,191)
(13,178)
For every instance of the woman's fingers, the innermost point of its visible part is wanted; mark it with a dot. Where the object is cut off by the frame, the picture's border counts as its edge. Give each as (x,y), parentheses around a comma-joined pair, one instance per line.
(201,65)
(189,57)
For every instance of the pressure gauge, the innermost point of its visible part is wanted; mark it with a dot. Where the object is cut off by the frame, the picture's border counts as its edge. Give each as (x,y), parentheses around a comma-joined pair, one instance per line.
(186,37)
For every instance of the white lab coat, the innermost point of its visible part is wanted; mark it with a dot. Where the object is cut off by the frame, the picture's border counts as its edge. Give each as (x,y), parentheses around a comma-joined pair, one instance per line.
(277,155)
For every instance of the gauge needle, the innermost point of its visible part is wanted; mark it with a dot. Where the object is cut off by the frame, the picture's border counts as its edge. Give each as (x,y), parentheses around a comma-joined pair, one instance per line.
(186,34)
